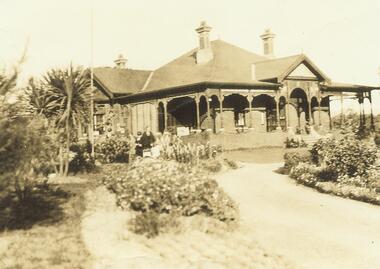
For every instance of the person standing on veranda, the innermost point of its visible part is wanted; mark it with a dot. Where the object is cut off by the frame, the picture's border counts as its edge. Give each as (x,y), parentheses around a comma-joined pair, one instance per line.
(147,140)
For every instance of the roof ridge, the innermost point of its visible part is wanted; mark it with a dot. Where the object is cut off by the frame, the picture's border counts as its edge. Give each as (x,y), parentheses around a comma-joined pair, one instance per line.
(281,58)
(147,81)
(233,45)
(115,68)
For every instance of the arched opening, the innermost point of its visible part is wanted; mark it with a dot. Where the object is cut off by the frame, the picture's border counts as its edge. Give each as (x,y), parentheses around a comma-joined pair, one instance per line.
(181,113)
(264,112)
(161,117)
(235,111)
(298,99)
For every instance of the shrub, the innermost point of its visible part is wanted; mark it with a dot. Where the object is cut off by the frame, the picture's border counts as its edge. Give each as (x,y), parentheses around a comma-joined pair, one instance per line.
(304,173)
(326,174)
(292,159)
(25,158)
(173,148)
(212,165)
(112,149)
(293,143)
(151,223)
(377,139)
(231,163)
(82,161)
(346,155)
(170,187)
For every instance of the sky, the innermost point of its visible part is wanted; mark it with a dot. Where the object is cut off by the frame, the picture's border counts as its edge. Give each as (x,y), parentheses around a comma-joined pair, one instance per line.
(340,37)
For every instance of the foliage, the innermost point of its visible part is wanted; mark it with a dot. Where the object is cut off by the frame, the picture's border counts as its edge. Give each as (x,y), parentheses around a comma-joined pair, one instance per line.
(212,165)
(345,168)
(231,163)
(351,124)
(25,150)
(173,148)
(62,98)
(293,143)
(170,187)
(326,174)
(151,223)
(347,155)
(82,160)
(37,100)
(112,149)
(377,139)
(294,158)
(304,173)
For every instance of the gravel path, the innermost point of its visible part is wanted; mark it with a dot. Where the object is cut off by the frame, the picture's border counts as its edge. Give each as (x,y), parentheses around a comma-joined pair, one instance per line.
(312,229)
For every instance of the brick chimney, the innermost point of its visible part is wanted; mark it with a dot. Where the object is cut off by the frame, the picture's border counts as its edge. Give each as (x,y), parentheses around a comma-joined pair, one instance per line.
(204,53)
(267,38)
(120,61)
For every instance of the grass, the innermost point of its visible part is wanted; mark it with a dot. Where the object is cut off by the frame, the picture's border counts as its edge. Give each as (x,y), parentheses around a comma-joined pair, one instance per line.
(46,232)
(258,155)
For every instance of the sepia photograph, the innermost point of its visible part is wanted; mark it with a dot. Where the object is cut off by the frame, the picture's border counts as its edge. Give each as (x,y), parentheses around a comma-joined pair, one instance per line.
(202,134)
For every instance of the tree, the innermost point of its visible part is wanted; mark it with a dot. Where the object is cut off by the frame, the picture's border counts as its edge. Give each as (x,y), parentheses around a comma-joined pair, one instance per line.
(67,91)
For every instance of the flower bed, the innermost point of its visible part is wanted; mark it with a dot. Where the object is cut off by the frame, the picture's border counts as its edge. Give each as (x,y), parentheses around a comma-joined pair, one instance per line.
(156,187)
(174,148)
(342,166)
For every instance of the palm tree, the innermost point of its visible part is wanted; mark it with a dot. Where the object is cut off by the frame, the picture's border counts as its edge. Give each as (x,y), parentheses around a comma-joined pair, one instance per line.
(68,92)
(38,101)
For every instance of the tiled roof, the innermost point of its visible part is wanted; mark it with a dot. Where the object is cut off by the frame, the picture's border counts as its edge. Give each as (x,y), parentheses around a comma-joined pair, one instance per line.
(274,68)
(121,81)
(279,68)
(230,64)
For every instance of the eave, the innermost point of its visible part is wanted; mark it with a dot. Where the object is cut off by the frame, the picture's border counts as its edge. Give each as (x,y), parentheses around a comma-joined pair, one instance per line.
(193,88)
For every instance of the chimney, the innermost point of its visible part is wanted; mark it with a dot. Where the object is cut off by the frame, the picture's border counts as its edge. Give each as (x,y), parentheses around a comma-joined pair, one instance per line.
(204,53)
(267,38)
(120,62)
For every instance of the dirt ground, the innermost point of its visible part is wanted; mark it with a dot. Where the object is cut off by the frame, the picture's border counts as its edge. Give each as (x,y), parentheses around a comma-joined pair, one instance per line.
(312,229)
(104,230)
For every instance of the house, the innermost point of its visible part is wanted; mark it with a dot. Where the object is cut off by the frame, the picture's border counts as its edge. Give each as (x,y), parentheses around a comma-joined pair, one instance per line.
(224,89)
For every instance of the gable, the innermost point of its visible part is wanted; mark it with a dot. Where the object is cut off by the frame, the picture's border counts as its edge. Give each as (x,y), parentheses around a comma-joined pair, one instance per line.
(302,71)
(296,66)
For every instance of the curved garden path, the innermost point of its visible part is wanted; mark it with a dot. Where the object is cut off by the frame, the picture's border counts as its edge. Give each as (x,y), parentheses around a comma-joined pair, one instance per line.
(312,229)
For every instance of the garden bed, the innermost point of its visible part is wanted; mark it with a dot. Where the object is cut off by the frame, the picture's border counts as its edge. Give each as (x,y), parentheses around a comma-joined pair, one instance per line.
(343,166)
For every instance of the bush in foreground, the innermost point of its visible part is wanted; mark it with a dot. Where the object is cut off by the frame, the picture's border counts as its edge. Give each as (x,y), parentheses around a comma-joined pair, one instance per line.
(112,150)
(82,160)
(169,187)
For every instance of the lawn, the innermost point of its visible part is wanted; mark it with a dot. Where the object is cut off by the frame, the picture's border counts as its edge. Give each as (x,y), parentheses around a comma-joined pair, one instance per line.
(47,233)
(258,155)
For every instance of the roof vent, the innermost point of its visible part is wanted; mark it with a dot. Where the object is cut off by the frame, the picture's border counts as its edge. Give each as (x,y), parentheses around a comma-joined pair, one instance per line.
(120,61)
(204,53)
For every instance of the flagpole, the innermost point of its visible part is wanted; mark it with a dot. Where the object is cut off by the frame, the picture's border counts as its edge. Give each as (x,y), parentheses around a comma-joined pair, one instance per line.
(91,133)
